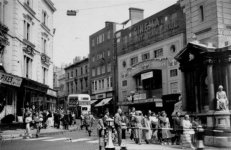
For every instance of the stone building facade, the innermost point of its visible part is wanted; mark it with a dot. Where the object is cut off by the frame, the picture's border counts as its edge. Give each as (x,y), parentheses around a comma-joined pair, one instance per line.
(148,74)
(29,52)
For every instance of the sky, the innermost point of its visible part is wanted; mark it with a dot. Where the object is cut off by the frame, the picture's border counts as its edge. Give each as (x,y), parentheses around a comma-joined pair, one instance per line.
(71,38)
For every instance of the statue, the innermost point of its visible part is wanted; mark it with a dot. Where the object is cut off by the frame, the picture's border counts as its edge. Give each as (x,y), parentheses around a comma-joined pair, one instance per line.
(222,100)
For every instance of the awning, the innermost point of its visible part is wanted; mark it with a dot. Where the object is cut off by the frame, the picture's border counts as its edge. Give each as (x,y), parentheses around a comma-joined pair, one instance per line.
(103,102)
(93,101)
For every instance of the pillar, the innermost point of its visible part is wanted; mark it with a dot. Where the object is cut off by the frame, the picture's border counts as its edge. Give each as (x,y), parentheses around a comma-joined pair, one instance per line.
(183,91)
(229,84)
(211,93)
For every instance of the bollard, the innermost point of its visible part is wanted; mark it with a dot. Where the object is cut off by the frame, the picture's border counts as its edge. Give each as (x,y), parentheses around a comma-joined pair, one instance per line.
(200,135)
(110,145)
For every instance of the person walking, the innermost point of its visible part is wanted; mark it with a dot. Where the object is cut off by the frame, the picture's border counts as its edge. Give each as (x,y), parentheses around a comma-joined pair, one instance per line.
(118,125)
(89,121)
(28,120)
(37,120)
(186,137)
(177,127)
(165,125)
(138,125)
(147,131)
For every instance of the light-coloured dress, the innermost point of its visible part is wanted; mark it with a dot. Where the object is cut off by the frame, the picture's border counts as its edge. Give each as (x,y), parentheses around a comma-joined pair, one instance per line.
(147,129)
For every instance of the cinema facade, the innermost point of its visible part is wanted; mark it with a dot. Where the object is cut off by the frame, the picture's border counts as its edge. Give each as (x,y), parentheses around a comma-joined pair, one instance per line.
(148,74)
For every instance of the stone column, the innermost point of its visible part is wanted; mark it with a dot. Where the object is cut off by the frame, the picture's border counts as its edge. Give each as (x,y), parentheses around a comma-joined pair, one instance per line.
(211,93)
(183,91)
(229,84)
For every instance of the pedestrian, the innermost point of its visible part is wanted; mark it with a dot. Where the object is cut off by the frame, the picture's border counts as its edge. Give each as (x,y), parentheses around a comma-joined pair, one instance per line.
(28,121)
(165,128)
(105,117)
(177,128)
(100,126)
(147,131)
(186,137)
(132,122)
(118,125)
(37,120)
(138,125)
(65,121)
(124,123)
(89,121)
(154,126)
(81,121)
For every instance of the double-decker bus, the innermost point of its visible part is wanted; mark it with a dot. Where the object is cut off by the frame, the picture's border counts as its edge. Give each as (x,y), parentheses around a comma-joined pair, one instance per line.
(79,103)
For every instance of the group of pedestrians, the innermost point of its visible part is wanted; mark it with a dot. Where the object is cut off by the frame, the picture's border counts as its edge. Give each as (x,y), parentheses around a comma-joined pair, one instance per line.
(152,127)
(45,119)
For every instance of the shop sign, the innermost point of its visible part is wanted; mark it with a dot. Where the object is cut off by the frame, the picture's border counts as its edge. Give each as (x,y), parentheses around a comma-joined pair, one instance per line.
(147,75)
(138,96)
(109,94)
(100,96)
(159,104)
(51,93)
(10,80)
(84,103)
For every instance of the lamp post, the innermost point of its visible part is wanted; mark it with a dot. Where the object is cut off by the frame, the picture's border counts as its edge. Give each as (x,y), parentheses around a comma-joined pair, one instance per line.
(110,146)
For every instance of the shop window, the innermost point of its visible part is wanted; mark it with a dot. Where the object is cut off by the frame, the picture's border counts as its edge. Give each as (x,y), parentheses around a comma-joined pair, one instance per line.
(158,53)
(134,60)
(173,73)
(146,56)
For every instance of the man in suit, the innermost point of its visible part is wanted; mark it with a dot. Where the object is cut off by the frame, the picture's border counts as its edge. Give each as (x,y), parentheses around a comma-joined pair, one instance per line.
(177,127)
(118,125)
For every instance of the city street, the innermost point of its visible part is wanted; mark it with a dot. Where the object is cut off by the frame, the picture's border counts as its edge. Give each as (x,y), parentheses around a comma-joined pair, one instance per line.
(67,140)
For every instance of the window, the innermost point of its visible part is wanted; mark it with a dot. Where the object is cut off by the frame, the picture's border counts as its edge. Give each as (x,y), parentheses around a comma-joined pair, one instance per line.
(174,87)
(134,60)
(108,82)
(99,84)
(29,3)
(81,70)
(108,53)
(202,13)
(98,70)
(86,81)
(27,30)
(76,72)
(124,83)
(93,72)
(44,45)
(27,67)
(146,56)
(102,83)
(92,86)
(92,42)
(103,69)
(109,67)
(108,34)
(86,69)
(95,85)
(173,72)
(158,53)
(81,84)
(71,74)
(72,87)
(44,18)
(68,75)
(93,58)
(68,88)
(45,72)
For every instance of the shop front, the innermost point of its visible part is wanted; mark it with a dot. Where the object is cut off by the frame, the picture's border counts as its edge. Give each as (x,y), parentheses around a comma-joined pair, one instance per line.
(32,95)
(9,90)
(51,100)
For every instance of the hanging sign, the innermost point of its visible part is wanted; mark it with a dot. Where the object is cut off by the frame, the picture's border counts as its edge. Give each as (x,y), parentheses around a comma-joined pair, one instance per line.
(10,79)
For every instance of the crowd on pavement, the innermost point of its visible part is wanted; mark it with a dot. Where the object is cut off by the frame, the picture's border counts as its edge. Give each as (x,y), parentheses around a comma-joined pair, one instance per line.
(151,128)
(46,119)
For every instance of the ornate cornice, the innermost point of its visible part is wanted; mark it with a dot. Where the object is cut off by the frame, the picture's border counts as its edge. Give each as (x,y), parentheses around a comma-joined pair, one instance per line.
(45,59)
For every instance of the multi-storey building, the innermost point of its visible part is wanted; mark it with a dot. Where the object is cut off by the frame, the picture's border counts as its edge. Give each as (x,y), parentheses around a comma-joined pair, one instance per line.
(77,77)
(101,62)
(205,64)
(27,57)
(148,75)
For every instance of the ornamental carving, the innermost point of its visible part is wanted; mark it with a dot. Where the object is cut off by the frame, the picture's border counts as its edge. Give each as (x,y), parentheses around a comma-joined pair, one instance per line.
(45,59)
(29,50)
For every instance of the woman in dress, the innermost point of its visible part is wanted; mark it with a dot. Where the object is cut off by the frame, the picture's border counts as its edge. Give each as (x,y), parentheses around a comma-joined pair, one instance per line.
(165,125)
(186,137)
(147,131)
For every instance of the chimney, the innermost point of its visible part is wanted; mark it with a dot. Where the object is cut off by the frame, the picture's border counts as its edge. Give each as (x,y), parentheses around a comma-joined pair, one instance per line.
(136,15)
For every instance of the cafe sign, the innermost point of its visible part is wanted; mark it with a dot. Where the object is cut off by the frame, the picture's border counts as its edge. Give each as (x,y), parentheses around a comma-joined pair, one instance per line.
(10,79)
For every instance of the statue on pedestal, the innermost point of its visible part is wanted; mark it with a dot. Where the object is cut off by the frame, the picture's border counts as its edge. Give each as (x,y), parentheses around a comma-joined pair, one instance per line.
(222,100)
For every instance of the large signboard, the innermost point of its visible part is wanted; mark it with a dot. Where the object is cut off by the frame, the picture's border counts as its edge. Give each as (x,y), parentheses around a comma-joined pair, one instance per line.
(10,79)
(146,75)
(157,27)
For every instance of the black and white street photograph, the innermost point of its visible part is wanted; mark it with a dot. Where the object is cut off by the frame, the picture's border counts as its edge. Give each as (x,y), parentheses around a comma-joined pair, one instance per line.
(115,74)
